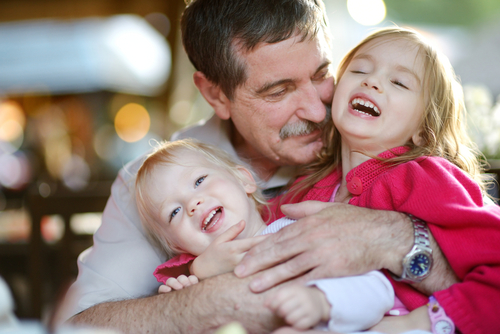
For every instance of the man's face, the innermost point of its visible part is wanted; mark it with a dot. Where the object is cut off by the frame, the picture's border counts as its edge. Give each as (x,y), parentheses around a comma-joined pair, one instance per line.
(288,87)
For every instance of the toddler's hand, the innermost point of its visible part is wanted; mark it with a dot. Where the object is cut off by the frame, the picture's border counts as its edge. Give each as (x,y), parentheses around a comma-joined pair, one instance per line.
(224,253)
(302,307)
(178,283)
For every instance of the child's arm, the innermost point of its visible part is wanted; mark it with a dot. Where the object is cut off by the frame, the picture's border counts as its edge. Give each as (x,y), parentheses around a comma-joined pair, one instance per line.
(416,319)
(224,253)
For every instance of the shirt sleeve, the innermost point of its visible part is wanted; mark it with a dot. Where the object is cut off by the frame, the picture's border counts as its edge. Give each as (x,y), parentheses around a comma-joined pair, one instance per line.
(357,302)
(121,262)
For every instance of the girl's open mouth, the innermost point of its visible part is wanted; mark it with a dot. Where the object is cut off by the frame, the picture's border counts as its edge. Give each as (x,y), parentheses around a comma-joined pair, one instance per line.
(365,107)
(212,219)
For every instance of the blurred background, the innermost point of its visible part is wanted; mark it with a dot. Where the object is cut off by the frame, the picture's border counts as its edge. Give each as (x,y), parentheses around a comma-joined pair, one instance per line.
(86,86)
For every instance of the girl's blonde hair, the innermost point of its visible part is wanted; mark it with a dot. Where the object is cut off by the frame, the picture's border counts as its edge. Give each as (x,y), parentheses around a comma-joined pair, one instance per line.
(169,153)
(443,129)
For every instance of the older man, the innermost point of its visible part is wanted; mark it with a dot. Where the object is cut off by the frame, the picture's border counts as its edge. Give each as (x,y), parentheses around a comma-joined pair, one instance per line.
(264,67)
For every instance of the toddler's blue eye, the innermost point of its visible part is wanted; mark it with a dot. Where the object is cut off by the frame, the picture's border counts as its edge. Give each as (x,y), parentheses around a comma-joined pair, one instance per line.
(176,211)
(199,181)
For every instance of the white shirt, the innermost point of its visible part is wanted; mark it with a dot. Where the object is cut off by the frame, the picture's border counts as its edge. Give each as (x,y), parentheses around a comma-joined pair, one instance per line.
(121,262)
(357,302)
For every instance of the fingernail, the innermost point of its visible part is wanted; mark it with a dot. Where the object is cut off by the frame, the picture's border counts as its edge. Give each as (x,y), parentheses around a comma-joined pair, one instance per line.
(239,270)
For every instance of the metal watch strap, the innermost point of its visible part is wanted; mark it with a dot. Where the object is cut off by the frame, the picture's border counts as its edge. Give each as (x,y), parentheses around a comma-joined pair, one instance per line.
(421,243)
(421,233)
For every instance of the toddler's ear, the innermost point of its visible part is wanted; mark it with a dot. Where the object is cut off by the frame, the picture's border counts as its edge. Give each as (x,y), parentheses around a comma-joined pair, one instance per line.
(247,180)
(417,139)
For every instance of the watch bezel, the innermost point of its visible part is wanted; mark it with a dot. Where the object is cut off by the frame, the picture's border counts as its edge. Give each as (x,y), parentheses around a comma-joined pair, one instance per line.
(407,273)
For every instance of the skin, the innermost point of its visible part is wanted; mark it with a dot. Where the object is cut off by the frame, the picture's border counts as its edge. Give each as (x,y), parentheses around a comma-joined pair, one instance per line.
(297,87)
(202,187)
(175,312)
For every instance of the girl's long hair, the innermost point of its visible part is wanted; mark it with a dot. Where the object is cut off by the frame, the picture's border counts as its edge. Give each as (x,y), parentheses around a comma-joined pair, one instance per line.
(443,129)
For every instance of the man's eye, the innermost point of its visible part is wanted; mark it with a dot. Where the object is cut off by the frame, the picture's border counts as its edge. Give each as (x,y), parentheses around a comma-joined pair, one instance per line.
(278,94)
(321,75)
(199,181)
(399,83)
(174,213)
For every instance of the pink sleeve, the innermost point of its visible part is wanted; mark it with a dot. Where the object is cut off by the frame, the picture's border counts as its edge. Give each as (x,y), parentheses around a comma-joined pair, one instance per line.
(174,267)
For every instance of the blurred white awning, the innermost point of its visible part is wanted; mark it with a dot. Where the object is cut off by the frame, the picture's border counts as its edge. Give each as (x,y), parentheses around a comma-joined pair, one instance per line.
(120,53)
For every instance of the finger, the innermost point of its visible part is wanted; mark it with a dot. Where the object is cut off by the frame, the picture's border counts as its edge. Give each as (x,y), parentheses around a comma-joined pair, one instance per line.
(282,272)
(174,283)
(231,233)
(164,289)
(183,280)
(243,245)
(275,249)
(193,279)
(304,209)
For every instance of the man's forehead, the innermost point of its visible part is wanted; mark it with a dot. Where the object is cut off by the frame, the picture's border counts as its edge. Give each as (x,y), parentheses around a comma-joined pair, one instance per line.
(270,59)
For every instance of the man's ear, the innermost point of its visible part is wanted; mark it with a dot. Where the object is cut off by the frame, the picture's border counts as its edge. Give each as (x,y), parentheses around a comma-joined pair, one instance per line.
(213,94)
(247,180)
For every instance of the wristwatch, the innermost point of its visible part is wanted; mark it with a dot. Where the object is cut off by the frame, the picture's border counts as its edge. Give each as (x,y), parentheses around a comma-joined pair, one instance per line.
(417,263)
(440,322)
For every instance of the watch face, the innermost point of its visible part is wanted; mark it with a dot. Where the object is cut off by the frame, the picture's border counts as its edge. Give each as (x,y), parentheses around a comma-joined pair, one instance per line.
(420,264)
(443,327)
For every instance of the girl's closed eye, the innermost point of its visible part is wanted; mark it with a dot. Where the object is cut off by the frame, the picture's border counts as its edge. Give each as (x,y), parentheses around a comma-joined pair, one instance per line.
(200,180)
(399,83)
(174,213)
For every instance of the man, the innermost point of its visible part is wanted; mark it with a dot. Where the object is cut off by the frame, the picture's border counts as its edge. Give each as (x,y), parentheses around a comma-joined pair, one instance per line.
(264,66)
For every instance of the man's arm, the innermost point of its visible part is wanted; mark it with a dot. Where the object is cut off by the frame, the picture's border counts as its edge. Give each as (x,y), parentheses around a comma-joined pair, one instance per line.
(336,240)
(200,308)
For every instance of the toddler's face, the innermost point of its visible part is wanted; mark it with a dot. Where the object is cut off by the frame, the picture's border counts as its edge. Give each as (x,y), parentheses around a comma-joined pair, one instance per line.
(378,102)
(198,201)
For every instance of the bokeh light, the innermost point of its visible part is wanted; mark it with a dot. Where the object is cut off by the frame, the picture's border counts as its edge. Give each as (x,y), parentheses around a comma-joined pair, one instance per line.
(132,122)
(15,170)
(75,173)
(12,121)
(367,12)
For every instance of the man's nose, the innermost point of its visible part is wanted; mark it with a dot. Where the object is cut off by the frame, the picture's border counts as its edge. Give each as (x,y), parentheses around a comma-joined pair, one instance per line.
(315,97)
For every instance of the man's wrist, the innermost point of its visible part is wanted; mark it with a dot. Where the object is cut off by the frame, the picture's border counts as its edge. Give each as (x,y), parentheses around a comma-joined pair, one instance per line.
(417,263)
(401,234)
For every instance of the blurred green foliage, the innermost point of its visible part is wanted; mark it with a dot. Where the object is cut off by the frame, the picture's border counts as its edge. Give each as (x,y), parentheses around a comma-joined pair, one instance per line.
(443,12)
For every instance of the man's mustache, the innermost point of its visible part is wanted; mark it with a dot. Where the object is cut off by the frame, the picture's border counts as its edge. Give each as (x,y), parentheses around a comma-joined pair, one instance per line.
(304,127)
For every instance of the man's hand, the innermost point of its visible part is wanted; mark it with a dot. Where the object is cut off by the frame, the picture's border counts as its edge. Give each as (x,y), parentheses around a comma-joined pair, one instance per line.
(300,306)
(224,253)
(328,240)
(178,283)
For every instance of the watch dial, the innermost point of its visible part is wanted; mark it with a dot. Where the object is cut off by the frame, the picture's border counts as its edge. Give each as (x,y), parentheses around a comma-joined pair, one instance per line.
(419,265)
(443,327)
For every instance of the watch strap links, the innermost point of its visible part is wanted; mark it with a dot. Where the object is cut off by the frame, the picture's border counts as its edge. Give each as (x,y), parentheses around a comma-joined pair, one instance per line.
(421,245)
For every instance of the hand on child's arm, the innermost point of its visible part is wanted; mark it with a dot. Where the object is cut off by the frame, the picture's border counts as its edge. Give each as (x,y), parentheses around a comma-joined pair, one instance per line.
(224,253)
(416,319)
(300,306)
(178,283)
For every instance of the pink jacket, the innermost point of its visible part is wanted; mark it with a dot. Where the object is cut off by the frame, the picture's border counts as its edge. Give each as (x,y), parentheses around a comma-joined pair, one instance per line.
(467,232)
